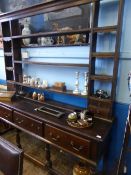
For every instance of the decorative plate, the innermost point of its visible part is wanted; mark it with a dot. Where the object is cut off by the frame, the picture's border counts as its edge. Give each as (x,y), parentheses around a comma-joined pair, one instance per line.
(77,124)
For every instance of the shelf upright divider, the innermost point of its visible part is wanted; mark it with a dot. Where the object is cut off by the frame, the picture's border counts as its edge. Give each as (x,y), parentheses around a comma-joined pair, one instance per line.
(99,108)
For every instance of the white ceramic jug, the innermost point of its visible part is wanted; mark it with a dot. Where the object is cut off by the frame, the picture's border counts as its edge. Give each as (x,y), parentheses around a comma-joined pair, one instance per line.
(26,31)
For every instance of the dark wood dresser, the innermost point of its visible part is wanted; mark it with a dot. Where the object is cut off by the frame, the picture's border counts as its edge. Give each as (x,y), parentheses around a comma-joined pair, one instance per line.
(89,144)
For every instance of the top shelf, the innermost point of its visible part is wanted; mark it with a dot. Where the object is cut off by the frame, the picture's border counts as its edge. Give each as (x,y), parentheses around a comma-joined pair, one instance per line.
(55,33)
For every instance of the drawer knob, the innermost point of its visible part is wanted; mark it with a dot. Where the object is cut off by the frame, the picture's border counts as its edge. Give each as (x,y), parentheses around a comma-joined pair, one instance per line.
(38,128)
(21,121)
(76,148)
(54,138)
(32,125)
(6,116)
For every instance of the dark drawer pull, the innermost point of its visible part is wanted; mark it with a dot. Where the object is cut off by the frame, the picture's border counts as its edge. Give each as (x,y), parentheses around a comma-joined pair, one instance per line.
(54,138)
(75,148)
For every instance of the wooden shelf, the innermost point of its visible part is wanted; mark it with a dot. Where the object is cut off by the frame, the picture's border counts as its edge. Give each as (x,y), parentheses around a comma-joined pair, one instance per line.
(9,68)
(53,64)
(56,45)
(103,54)
(55,33)
(100,99)
(101,77)
(8,54)
(6,39)
(49,89)
(106,29)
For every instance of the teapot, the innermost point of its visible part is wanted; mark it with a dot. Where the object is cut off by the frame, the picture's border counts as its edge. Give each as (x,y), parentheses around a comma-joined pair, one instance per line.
(102,94)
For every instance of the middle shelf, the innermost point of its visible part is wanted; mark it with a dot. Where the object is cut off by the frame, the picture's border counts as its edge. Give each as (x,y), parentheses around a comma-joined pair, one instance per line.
(49,89)
(53,64)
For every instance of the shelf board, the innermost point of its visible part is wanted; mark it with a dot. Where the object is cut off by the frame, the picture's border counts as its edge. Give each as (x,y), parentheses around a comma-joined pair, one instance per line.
(9,68)
(106,29)
(49,89)
(8,54)
(6,39)
(103,54)
(54,33)
(56,45)
(109,101)
(101,77)
(53,64)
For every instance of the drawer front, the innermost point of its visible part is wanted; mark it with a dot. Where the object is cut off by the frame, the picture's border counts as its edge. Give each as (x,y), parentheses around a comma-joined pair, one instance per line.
(28,123)
(99,111)
(6,113)
(70,142)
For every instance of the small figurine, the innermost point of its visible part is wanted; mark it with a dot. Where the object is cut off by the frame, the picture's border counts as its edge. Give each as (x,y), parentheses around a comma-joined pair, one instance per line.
(34,96)
(25,79)
(42,98)
(32,82)
(39,96)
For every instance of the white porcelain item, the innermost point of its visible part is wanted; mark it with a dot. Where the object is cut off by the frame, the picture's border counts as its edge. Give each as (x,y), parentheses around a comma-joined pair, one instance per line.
(26,31)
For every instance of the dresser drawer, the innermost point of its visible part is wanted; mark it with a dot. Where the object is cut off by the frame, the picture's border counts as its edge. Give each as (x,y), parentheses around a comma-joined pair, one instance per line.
(28,123)
(6,113)
(68,141)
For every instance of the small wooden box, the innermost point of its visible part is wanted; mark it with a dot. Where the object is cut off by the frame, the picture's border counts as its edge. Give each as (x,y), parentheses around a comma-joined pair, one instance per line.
(61,89)
(6,95)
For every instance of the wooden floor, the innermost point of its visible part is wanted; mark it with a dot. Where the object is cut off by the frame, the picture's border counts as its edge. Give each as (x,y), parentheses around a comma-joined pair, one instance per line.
(62,161)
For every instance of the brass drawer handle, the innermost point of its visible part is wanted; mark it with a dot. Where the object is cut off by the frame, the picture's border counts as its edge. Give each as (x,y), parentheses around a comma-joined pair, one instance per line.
(32,125)
(6,116)
(54,138)
(75,148)
(38,128)
(20,121)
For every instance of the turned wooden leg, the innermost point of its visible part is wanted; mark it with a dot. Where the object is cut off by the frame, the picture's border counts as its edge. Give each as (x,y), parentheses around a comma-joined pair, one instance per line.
(47,156)
(18,138)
